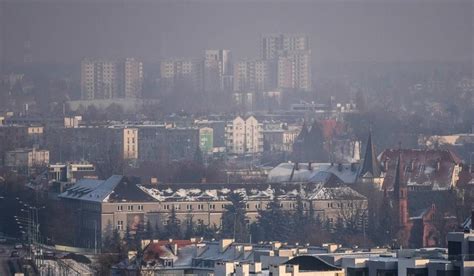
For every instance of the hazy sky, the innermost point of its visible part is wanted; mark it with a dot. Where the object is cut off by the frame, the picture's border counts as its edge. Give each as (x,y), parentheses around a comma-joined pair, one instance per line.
(352,30)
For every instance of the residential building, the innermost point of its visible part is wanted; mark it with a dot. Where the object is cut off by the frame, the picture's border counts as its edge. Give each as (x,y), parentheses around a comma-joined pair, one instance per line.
(273,44)
(244,136)
(110,79)
(133,78)
(290,60)
(100,79)
(218,71)
(179,73)
(130,143)
(294,70)
(252,76)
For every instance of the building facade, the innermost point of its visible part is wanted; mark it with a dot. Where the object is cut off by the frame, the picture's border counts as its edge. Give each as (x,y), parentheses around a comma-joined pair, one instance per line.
(244,136)
(133,78)
(109,79)
(186,74)
(218,70)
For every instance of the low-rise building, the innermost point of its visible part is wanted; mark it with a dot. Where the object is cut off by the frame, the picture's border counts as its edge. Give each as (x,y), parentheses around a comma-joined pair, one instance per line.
(122,203)
(26,158)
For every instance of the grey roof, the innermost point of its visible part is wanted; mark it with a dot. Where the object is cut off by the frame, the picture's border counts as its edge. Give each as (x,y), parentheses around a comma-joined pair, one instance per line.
(92,190)
(371,166)
(304,172)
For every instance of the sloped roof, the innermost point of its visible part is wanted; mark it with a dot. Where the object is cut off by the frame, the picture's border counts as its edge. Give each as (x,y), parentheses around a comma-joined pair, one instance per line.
(371,166)
(92,190)
(288,172)
(430,168)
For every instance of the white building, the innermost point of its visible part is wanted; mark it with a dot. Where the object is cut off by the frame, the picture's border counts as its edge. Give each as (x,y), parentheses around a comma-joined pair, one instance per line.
(244,136)
(130,143)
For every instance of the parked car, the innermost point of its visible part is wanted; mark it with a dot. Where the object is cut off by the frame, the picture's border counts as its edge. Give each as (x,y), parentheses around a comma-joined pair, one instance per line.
(18,246)
(15,254)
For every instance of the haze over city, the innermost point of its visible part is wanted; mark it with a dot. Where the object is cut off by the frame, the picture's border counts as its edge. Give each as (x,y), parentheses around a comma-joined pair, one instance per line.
(252,137)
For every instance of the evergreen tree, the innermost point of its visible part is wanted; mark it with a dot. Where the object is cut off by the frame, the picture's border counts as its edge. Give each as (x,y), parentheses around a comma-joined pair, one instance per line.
(299,221)
(234,219)
(156,231)
(172,228)
(274,222)
(128,237)
(148,231)
(190,227)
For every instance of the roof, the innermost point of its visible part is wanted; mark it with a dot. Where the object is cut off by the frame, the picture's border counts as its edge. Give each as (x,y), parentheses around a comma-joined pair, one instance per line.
(304,172)
(371,166)
(323,186)
(312,263)
(92,190)
(433,169)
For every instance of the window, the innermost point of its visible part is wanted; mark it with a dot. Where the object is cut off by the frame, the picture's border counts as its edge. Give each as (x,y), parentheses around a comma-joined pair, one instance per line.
(140,207)
(189,207)
(200,207)
(120,225)
(120,208)
(212,206)
(247,206)
(130,207)
(166,207)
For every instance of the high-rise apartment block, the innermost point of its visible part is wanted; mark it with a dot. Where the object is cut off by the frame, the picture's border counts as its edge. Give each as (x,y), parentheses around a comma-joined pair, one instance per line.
(272,45)
(218,71)
(252,76)
(290,59)
(294,70)
(108,79)
(181,73)
(133,78)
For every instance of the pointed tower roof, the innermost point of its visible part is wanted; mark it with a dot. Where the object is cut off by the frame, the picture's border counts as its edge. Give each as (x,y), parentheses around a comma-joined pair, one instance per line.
(370,167)
(303,133)
(398,183)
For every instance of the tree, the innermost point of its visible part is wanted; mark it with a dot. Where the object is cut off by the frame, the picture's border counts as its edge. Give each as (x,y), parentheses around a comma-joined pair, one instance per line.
(190,227)
(274,222)
(234,219)
(172,228)
(149,233)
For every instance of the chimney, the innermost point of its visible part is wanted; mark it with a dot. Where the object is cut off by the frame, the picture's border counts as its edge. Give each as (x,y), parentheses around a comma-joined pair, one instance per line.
(224,244)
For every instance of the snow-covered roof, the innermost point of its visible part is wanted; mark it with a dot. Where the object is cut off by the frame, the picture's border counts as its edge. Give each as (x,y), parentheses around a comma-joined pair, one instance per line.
(324,186)
(303,172)
(92,190)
